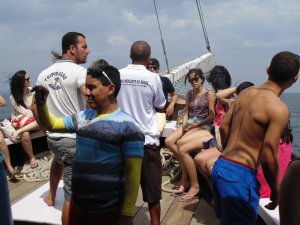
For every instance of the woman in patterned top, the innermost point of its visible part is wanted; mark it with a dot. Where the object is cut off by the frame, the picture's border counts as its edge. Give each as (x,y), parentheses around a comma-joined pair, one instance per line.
(197,123)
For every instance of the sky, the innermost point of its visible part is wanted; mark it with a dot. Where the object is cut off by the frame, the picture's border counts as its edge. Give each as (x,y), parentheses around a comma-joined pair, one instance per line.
(243,34)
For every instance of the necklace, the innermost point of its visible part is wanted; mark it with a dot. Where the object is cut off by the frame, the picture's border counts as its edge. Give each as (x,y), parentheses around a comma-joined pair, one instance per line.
(196,95)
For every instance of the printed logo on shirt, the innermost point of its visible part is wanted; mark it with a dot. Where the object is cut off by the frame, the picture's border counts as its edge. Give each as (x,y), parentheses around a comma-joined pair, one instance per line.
(57,82)
(143,83)
(56,85)
(56,74)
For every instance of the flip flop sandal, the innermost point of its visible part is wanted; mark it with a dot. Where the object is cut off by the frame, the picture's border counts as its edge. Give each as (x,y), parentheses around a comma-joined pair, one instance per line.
(178,194)
(188,198)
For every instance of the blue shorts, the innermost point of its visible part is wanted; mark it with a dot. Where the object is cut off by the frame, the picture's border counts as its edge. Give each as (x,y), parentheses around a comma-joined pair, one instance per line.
(236,192)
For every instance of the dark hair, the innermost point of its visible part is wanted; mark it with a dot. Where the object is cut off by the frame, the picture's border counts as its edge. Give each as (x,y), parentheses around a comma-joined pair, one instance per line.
(284,66)
(243,86)
(112,72)
(70,38)
(99,62)
(219,77)
(140,51)
(17,87)
(287,136)
(154,61)
(196,72)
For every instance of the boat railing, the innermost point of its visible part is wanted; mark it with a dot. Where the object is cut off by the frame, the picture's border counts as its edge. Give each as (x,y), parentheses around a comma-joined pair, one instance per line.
(177,74)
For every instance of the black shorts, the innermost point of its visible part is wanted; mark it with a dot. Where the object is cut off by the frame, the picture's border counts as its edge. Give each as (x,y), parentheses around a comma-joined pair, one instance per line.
(151,177)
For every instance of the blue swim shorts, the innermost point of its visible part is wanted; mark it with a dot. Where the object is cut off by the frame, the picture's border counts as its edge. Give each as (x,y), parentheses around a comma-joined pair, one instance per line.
(236,192)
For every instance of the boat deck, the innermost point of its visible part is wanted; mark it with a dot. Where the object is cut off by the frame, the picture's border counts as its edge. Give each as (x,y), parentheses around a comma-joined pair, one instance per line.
(173,212)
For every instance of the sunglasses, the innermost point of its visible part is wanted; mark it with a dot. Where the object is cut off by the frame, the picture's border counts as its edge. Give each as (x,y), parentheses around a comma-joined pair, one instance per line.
(28,79)
(196,79)
(153,67)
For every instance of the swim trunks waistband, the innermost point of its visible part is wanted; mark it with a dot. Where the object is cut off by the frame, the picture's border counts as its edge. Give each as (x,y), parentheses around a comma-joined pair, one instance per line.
(242,164)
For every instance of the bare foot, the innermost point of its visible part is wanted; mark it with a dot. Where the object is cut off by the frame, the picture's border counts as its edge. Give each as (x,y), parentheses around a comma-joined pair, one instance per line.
(49,200)
(33,163)
(190,194)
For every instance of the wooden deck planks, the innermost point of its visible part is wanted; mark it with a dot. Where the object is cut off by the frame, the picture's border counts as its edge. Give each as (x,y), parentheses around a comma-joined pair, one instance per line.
(142,216)
(173,212)
(21,189)
(180,213)
(204,214)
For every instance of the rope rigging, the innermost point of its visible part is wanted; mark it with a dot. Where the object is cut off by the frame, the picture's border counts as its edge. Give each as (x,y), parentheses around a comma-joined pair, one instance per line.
(203,25)
(161,38)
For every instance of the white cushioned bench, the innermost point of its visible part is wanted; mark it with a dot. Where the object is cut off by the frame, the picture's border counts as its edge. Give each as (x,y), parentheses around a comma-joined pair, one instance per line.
(169,128)
(33,135)
(271,217)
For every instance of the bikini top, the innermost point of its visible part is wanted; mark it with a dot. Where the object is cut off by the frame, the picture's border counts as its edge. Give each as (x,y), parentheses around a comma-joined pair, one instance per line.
(200,108)
(220,113)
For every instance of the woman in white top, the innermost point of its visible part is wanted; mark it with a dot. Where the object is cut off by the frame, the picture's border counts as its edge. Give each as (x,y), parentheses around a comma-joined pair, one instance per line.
(21,99)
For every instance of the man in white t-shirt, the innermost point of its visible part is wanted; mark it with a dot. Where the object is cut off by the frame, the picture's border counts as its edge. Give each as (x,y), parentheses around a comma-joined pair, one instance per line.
(140,95)
(65,80)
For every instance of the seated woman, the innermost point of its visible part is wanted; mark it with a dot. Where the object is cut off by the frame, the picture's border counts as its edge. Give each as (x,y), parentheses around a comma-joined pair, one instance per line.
(220,79)
(21,99)
(197,120)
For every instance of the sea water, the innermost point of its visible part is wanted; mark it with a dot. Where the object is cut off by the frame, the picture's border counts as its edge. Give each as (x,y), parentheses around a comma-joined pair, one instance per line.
(292,100)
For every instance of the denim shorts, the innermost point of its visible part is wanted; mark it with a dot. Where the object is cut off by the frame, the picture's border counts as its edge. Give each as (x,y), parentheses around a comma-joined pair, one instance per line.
(64,153)
(195,120)
(236,192)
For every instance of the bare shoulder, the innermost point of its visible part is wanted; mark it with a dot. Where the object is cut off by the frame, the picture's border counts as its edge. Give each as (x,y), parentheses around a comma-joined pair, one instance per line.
(273,103)
(211,94)
(261,104)
(273,108)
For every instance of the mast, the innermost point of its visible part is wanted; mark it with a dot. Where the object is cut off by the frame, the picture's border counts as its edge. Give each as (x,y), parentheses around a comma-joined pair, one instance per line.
(161,38)
(203,25)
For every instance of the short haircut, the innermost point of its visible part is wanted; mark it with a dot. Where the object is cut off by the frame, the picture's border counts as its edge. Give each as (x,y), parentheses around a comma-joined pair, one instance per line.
(154,62)
(99,62)
(100,73)
(243,86)
(219,77)
(70,38)
(196,72)
(140,51)
(284,66)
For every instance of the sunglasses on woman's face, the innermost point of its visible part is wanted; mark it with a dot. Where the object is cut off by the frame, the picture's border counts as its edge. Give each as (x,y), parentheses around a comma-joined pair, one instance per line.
(196,79)
(28,79)
(152,67)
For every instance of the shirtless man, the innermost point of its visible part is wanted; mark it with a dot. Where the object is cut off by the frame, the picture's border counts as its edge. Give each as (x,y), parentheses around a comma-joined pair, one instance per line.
(253,126)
